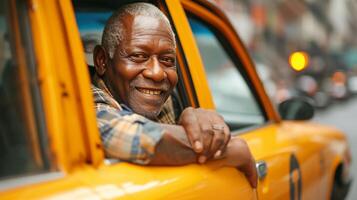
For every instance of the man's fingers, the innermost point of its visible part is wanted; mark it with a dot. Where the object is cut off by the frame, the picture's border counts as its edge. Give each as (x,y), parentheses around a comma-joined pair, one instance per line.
(222,136)
(194,136)
(207,136)
(190,123)
(250,173)
(202,159)
(226,138)
(207,132)
(217,143)
(227,134)
(253,176)
(245,161)
(198,146)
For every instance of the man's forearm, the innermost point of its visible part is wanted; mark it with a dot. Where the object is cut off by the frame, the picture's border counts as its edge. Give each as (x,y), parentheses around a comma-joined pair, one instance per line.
(174,148)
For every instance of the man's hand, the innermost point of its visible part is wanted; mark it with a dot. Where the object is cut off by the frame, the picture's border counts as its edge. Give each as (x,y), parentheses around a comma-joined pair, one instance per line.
(175,149)
(207,132)
(238,155)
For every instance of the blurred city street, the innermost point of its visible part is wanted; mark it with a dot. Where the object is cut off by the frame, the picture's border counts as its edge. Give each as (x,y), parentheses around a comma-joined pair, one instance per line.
(343,116)
(309,49)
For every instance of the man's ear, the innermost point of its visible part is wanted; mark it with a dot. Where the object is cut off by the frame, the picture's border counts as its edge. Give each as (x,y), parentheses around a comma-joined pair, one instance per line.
(100,58)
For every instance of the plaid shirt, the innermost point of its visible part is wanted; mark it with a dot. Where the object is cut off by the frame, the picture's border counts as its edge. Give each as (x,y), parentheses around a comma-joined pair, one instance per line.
(126,135)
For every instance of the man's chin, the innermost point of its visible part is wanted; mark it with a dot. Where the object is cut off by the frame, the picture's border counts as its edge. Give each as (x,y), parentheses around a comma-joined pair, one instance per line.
(148,107)
(150,113)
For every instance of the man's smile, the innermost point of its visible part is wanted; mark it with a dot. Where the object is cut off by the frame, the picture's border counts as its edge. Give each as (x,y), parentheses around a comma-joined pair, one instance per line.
(151,91)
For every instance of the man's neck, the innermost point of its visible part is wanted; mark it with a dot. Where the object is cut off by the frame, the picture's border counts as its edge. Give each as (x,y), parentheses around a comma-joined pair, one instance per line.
(100,83)
(166,115)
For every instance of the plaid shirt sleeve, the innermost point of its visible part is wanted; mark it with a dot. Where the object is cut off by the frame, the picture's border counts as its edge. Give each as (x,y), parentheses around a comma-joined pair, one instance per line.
(125,135)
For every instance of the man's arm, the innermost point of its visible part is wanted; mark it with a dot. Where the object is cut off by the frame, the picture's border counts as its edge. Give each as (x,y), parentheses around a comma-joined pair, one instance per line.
(126,135)
(175,149)
(134,138)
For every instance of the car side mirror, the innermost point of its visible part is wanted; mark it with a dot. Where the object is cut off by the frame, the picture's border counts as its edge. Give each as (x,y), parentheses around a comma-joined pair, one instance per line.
(297,108)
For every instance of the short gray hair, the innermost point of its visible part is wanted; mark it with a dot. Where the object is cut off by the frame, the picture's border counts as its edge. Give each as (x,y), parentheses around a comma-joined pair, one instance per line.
(114,29)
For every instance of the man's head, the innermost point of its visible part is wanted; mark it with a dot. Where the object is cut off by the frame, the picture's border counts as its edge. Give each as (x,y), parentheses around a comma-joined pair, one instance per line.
(137,58)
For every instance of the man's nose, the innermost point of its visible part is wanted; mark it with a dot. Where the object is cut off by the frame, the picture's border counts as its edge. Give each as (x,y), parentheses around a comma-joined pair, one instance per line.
(154,71)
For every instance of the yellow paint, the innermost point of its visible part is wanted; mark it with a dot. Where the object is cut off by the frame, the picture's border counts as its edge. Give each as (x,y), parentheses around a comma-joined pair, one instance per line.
(75,146)
(299,60)
(272,143)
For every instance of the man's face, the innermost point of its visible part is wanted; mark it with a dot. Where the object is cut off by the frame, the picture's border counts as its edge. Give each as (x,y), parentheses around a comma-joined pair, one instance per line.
(143,74)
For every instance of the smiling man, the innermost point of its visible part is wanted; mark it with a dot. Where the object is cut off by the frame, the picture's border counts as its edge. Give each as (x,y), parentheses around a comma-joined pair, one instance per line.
(135,75)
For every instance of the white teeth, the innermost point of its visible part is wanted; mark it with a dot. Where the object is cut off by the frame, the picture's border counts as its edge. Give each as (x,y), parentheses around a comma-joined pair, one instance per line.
(152,92)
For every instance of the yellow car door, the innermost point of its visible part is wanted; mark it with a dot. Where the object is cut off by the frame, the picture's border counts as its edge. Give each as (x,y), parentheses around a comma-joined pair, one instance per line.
(235,94)
(294,159)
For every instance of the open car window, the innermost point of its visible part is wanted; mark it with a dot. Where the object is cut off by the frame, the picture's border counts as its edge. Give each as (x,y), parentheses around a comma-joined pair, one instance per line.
(233,97)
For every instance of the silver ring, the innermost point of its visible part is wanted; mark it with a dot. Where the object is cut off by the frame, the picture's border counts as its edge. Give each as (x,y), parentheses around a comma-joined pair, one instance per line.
(218,127)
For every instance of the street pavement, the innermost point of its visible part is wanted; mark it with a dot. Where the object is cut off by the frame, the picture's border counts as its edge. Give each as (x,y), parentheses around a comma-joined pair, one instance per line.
(343,115)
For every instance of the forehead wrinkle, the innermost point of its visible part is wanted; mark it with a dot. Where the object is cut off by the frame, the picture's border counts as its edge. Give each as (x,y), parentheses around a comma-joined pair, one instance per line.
(147,40)
(142,37)
(152,26)
(147,45)
(151,31)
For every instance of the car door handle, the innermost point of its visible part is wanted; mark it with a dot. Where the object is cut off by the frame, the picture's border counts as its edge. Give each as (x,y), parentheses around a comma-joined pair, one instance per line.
(262,169)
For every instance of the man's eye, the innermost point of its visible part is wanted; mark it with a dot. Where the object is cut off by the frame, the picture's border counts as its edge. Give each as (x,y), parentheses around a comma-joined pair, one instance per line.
(138,57)
(168,60)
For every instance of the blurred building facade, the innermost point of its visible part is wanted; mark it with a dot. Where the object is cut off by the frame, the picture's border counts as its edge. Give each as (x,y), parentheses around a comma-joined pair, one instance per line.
(273,29)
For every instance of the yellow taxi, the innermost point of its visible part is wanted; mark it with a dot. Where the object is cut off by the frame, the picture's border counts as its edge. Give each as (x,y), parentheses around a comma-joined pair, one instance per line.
(49,142)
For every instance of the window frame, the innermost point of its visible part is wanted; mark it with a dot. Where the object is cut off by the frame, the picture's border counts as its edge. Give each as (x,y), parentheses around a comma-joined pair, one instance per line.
(65,85)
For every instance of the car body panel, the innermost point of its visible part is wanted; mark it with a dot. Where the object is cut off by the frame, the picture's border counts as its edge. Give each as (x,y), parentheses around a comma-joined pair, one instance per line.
(138,182)
(317,157)
(76,146)
(166,182)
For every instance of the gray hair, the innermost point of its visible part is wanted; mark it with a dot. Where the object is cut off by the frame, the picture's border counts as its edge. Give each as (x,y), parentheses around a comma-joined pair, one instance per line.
(114,29)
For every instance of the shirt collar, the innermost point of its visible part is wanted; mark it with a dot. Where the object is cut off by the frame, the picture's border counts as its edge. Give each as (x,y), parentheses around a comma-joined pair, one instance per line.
(103,95)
